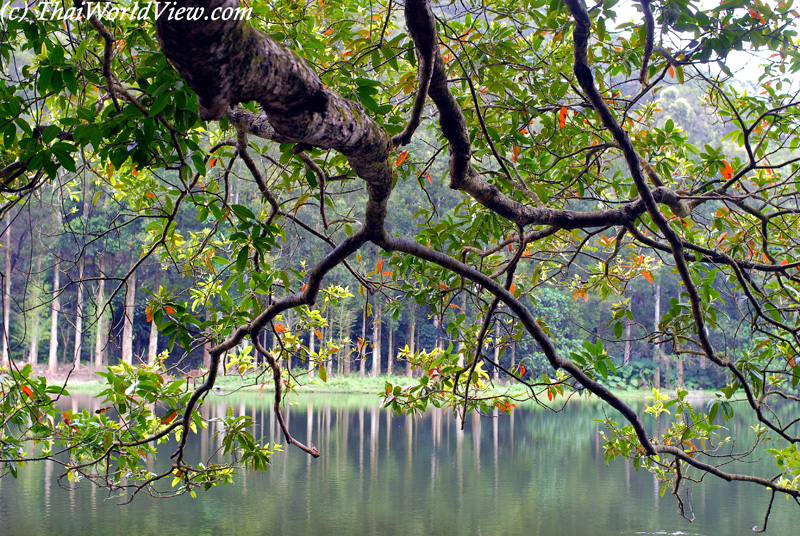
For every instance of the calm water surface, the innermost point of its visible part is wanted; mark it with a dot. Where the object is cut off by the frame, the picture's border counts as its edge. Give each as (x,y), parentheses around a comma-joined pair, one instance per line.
(532,473)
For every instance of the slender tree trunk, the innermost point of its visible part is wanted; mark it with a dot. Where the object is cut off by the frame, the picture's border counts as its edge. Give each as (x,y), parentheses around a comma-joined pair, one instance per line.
(656,322)
(496,374)
(311,350)
(100,333)
(127,322)
(376,340)
(79,315)
(412,328)
(33,358)
(55,306)
(362,365)
(390,346)
(207,346)
(152,348)
(627,358)
(347,343)
(7,292)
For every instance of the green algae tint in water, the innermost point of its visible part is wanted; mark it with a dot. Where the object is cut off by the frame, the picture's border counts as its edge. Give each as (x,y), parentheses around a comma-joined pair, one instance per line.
(532,473)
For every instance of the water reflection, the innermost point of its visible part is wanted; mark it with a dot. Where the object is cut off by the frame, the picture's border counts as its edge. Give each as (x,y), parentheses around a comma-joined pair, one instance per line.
(533,472)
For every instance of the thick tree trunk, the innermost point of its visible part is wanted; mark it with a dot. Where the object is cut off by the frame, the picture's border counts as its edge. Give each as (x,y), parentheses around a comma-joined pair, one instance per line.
(36,318)
(7,292)
(127,321)
(376,340)
(55,307)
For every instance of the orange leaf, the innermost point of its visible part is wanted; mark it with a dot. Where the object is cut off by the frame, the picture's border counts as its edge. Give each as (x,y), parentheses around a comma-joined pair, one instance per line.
(401,158)
(27,390)
(727,171)
(430,180)
(148,313)
(387,273)
(150,195)
(318,333)
(562,116)
(671,71)
(379,265)
(328,32)
(169,310)
(454,306)
(170,417)
(304,287)
(512,288)
(522,370)
(212,162)
(280,328)
(135,172)
(784,262)
(549,395)
(515,152)
(647,275)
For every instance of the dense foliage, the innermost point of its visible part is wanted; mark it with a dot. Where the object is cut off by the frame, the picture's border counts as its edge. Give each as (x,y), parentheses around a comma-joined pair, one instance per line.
(570,200)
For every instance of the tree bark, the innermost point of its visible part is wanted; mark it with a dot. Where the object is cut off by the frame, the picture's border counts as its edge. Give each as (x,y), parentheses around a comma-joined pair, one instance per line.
(127,321)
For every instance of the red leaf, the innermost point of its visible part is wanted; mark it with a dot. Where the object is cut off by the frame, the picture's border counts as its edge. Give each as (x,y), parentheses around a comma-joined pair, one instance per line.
(401,158)
(784,262)
(727,171)
(549,395)
(562,116)
(170,417)
(27,390)
(169,310)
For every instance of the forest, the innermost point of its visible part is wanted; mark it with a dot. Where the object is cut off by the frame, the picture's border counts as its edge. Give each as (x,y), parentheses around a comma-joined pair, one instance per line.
(503,202)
